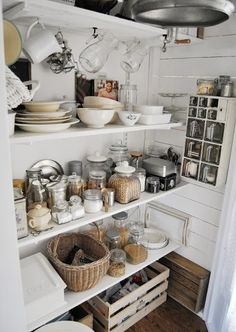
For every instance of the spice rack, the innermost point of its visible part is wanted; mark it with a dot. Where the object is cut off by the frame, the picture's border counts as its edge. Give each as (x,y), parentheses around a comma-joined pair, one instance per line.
(209,135)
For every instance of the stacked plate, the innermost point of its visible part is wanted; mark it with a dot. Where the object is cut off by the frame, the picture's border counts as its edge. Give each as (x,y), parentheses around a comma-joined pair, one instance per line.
(154,239)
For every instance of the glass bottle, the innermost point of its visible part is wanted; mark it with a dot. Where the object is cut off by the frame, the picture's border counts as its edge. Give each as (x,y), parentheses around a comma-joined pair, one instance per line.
(35,192)
(121,225)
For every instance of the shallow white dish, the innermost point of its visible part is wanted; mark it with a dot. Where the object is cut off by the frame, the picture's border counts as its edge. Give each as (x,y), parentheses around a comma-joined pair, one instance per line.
(42,120)
(43,106)
(148,109)
(128,118)
(154,239)
(47,128)
(154,119)
(57,114)
(95,117)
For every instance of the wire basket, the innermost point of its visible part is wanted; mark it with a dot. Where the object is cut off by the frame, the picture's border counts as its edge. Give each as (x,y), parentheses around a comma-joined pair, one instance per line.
(79,278)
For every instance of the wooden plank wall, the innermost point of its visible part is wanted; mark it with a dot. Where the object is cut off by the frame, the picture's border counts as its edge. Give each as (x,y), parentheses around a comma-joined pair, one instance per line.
(177,71)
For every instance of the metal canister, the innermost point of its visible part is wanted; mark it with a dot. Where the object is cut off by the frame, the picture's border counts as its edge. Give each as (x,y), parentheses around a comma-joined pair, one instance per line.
(56,193)
(227,89)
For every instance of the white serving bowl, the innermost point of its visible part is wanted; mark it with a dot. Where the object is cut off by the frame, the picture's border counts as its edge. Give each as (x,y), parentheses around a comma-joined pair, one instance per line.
(95,117)
(101,101)
(43,106)
(127,118)
(148,109)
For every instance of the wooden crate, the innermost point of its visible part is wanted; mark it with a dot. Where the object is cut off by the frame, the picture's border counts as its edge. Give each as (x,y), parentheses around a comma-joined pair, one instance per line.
(83,315)
(188,281)
(122,314)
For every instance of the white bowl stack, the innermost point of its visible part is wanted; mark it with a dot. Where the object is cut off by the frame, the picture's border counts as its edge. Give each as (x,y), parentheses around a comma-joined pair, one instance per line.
(151,114)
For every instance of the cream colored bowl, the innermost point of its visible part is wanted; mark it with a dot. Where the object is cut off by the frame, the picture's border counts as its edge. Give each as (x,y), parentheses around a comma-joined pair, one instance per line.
(43,106)
(95,117)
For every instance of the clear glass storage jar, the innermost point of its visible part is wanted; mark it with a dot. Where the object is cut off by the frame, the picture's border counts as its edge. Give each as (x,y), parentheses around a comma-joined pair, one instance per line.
(93,201)
(118,153)
(97,162)
(136,253)
(121,225)
(117,263)
(61,212)
(112,239)
(35,192)
(141,175)
(126,184)
(75,186)
(97,180)
(128,96)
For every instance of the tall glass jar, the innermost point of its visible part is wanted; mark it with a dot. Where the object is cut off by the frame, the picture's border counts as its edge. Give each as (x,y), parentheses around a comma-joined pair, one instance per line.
(97,162)
(35,192)
(112,239)
(128,96)
(126,184)
(118,153)
(75,186)
(121,224)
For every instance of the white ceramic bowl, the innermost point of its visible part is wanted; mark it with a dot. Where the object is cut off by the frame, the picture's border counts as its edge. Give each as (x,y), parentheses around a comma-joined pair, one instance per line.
(127,118)
(101,101)
(43,106)
(95,117)
(148,109)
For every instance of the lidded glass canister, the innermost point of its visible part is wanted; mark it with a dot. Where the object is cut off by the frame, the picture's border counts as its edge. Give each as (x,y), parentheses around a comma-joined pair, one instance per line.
(118,153)
(97,162)
(112,239)
(126,184)
(75,186)
(121,225)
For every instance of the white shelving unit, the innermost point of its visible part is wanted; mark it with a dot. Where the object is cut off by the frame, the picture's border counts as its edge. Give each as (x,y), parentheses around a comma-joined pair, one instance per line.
(73,299)
(89,218)
(82,131)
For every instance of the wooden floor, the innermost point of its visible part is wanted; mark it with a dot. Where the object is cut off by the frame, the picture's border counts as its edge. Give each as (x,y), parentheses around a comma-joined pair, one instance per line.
(170,317)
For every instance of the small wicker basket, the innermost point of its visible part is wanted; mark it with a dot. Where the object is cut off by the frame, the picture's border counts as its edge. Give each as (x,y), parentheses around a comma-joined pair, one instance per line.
(79,278)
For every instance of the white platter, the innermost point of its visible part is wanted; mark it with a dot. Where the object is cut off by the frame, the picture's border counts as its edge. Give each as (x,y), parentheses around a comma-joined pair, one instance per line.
(42,106)
(47,128)
(42,120)
(46,115)
(154,239)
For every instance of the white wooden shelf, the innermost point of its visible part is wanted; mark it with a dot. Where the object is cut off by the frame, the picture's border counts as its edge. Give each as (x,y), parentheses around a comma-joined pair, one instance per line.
(90,217)
(75,298)
(22,137)
(75,19)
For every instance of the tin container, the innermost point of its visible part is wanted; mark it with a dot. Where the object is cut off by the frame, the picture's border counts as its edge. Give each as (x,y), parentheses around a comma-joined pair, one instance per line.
(21,218)
(159,167)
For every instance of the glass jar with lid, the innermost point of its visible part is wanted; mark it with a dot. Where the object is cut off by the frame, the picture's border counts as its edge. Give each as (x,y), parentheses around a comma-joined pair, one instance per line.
(97,162)
(121,225)
(61,213)
(35,192)
(75,186)
(126,184)
(118,153)
(92,200)
(136,159)
(136,253)
(97,180)
(112,239)
(117,263)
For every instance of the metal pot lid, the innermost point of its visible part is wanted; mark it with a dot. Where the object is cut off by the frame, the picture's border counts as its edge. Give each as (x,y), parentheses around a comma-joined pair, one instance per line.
(179,13)
(49,167)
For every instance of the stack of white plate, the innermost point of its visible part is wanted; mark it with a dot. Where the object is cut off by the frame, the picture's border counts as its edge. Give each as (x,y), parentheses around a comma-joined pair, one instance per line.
(154,239)
(44,117)
(151,114)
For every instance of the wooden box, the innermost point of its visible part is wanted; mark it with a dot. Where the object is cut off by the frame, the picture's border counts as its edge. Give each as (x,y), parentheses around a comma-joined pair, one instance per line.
(83,315)
(188,281)
(122,314)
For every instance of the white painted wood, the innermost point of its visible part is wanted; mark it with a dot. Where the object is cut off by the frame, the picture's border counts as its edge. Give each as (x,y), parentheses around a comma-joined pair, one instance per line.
(11,299)
(204,229)
(73,299)
(199,257)
(75,19)
(170,137)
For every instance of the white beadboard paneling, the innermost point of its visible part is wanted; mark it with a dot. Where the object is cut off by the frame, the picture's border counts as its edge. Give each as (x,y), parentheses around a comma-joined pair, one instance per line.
(225,28)
(204,229)
(198,67)
(205,196)
(193,208)
(197,256)
(170,137)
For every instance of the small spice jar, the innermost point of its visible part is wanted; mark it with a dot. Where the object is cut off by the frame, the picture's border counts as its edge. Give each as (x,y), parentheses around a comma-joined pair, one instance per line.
(141,175)
(97,180)
(121,225)
(152,184)
(136,159)
(126,184)
(92,201)
(76,209)
(117,263)
(112,239)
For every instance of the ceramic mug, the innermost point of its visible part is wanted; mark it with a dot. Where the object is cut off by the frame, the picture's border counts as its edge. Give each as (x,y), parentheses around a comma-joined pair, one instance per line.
(191,169)
(39,45)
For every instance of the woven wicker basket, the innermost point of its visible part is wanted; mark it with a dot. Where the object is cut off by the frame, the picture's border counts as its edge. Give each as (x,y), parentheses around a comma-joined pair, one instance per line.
(79,278)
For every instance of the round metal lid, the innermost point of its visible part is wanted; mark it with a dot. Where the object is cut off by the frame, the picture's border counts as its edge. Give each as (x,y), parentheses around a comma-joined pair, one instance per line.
(185,13)
(120,216)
